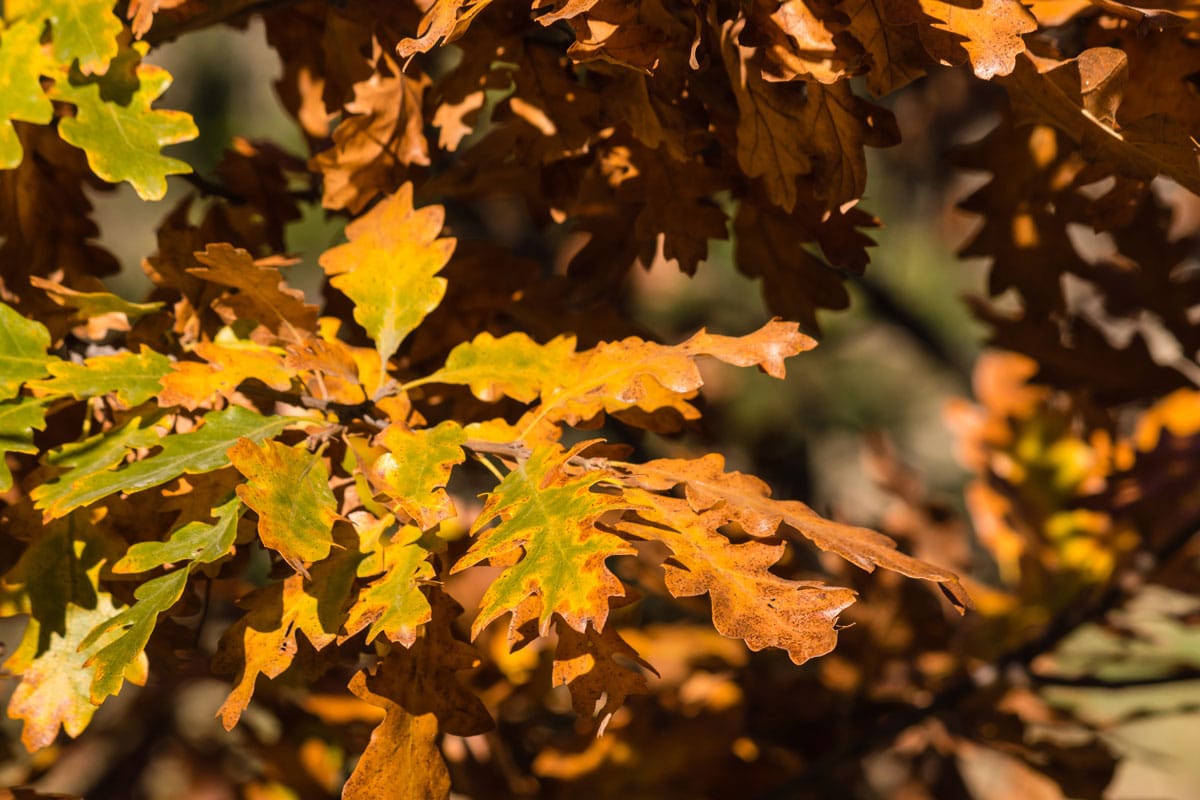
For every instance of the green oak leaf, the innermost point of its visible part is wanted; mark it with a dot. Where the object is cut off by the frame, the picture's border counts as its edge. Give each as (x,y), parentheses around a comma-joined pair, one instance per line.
(550,516)
(81,29)
(23,344)
(113,645)
(199,451)
(128,632)
(134,377)
(122,143)
(195,542)
(94,455)
(18,420)
(22,62)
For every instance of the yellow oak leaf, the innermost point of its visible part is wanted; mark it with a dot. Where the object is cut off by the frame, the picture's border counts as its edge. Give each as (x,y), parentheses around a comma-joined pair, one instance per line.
(389,267)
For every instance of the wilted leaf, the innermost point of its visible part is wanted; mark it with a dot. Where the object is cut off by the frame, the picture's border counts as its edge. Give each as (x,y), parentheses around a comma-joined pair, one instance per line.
(387,268)
(289,488)
(262,294)
(264,640)
(382,133)
(587,663)
(748,601)
(123,142)
(747,501)
(423,678)
(402,759)
(444,21)
(986,34)
(1081,97)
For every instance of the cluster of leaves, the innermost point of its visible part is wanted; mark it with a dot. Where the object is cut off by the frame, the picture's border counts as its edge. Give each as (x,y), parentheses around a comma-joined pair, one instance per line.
(226,443)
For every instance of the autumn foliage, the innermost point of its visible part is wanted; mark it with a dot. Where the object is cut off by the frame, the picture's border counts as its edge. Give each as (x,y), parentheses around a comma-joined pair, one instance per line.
(417,530)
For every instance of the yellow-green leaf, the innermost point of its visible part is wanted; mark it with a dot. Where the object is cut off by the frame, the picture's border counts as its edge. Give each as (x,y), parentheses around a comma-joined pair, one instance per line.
(542,523)
(414,470)
(289,488)
(92,478)
(195,542)
(134,377)
(118,643)
(513,365)
(56,583)
(22,62)
(81,29)
(389,267)
(392,604)
(18,420)
(123,142)
(23,344)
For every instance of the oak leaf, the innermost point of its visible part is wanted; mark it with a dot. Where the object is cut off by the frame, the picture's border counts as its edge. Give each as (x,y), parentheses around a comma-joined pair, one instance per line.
(82,29)
(122,142)
(746,500)
(264,640)
(262,294)
(289,489)
(402,759)
(392,604)
(1082,98)
(389,267)
(444,21)
(23,357)
(590,665)
(229,362)
(133,377)
(545,534)
(56,582)
(19,418)
(987,34)
(22,63)
(748,601)
(195,542)
(423,678)
(382,133)
(416,467)
(91,475)
(613,376)
(115,646)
